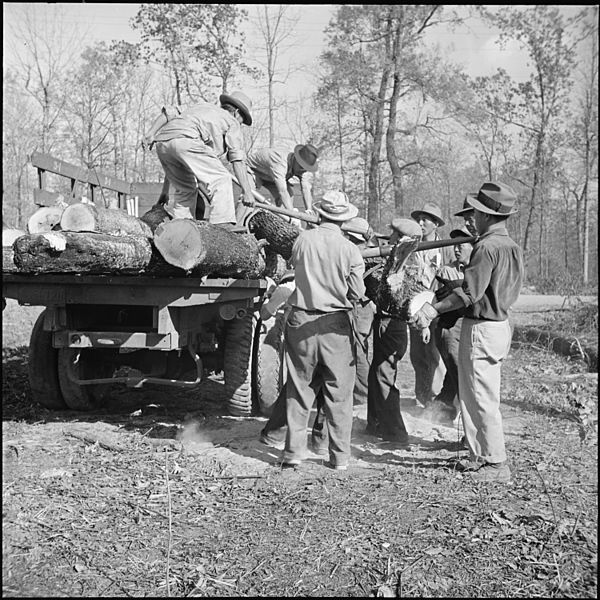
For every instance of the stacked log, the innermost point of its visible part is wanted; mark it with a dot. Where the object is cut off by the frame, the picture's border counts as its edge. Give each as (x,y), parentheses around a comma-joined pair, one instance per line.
(279,234)
(81,217)
(9,235)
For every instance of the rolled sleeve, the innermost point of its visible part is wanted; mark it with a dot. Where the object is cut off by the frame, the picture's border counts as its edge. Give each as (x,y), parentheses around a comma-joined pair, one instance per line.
(477,277)
(234,142)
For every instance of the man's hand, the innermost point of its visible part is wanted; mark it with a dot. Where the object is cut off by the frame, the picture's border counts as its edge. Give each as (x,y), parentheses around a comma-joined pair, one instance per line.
(163,199)
(423,317)
(248,199)
(447,286)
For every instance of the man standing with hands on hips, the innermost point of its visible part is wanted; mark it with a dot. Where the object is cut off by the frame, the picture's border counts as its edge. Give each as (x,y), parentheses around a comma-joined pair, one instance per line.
(492,283)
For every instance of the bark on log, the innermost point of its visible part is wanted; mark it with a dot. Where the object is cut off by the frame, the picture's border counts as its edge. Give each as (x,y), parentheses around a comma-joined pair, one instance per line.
(202,249)
(156,216)
(80,217)
(8,238)
(45,218)
(69,252)
(280,234)
(399,280)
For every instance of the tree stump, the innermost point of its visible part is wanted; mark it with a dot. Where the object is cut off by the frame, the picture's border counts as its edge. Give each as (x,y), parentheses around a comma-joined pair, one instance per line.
(201,248)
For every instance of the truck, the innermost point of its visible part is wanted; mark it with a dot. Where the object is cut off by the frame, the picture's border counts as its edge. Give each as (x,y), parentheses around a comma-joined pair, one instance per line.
(98,331)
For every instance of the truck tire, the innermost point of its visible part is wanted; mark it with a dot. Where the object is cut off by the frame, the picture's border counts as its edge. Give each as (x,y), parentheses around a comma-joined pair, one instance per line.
(237,364)
(269,363)
(43,368)
(81,397)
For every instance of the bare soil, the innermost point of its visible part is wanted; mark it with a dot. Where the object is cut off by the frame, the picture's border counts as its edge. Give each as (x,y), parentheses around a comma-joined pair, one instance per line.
(163,494)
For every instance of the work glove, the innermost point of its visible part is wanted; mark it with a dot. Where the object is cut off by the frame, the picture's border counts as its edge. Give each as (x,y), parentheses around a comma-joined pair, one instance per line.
(447,286)
(423,317)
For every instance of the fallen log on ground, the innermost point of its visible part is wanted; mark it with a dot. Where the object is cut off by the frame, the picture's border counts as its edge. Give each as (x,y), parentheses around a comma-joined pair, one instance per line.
(201,248)
(81,217)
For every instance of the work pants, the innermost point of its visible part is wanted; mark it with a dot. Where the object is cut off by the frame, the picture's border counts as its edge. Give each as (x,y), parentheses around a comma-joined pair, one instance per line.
(447,341)
(390,339)
(483,347)
(319,355)
(190,164)
(427,364)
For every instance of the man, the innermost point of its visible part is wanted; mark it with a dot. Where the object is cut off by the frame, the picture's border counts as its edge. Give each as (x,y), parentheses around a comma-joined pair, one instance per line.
(273,169)
(424,356)
(468,214)
(329,273)
(273,433)
(447,332)
(390,340)
(491,285)
(190,146)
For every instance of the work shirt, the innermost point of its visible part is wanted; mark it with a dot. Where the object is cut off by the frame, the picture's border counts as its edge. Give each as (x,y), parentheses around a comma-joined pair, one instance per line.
(452,271)
(329,270)
(493,277)
(217,128)
(428,262)
(271,165)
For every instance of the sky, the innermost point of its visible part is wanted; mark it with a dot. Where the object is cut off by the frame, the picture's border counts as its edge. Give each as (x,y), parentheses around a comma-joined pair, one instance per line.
(473,45)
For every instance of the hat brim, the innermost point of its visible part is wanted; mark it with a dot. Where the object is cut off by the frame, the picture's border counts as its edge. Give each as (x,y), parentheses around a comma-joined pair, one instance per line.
(463,212)
(415,215)
(483,208)
(459,233)
(246,116)
(345,216)
(306,166)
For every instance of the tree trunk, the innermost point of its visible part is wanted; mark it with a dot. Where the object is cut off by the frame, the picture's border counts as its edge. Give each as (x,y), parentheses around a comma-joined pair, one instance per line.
(45,218)
(203,248)
(155,217)
(279,234)
(88,217)
(8,238)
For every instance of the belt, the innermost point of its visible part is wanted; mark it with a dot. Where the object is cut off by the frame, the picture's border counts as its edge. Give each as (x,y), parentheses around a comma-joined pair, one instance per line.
(320,312)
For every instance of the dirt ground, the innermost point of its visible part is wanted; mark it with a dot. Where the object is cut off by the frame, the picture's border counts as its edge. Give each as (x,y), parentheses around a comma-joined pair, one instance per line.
(162,493)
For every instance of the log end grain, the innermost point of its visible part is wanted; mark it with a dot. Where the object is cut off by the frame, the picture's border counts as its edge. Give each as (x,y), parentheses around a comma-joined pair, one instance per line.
(180,243)
(79,217)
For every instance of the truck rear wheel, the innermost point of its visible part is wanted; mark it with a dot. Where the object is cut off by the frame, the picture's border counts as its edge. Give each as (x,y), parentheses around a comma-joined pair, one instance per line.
(269,364)
(81,364)
(237,364)
(43,368)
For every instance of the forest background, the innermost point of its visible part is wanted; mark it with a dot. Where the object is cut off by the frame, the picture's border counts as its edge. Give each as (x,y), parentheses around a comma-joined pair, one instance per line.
(397,120)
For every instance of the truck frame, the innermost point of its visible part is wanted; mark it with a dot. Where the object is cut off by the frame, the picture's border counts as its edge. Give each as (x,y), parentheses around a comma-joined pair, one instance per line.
(98,331)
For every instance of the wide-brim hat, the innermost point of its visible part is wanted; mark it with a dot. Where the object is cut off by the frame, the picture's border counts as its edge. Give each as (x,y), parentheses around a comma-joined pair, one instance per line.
(406,227)
(335,206)
(306,155)
(431,210)
(360,224)
(495,199)
(462,232)
(240,101)
(467,208)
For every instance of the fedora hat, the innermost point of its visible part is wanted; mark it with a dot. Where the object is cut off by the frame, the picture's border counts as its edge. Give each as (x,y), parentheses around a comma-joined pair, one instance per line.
(494,199)
(462,232)
(406,227)
(431,210)
(241,102)
(335,206)
(466,208)
(362,225)
(306,155)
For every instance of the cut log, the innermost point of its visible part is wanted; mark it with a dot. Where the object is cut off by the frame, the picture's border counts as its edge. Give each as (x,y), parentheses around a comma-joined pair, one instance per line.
(156,216)
(202,248)
(80,217)
(68,252)
(280,234)
(45,218)
(8,238)
(399,280)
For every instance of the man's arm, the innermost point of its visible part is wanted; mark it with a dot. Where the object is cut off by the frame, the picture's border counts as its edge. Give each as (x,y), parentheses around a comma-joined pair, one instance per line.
(282,191)
(164,193)
(306,189)
(241,172)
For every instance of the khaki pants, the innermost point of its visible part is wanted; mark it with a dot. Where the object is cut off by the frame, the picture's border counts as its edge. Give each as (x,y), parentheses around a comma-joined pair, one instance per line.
(319,356)
(190,164)
(483,347)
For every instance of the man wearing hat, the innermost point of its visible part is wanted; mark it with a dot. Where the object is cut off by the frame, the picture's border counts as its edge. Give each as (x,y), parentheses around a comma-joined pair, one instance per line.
(491,285)
(447,331)
(190,146)
(273,168)
(468,214)
(329,271)
(424,357)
